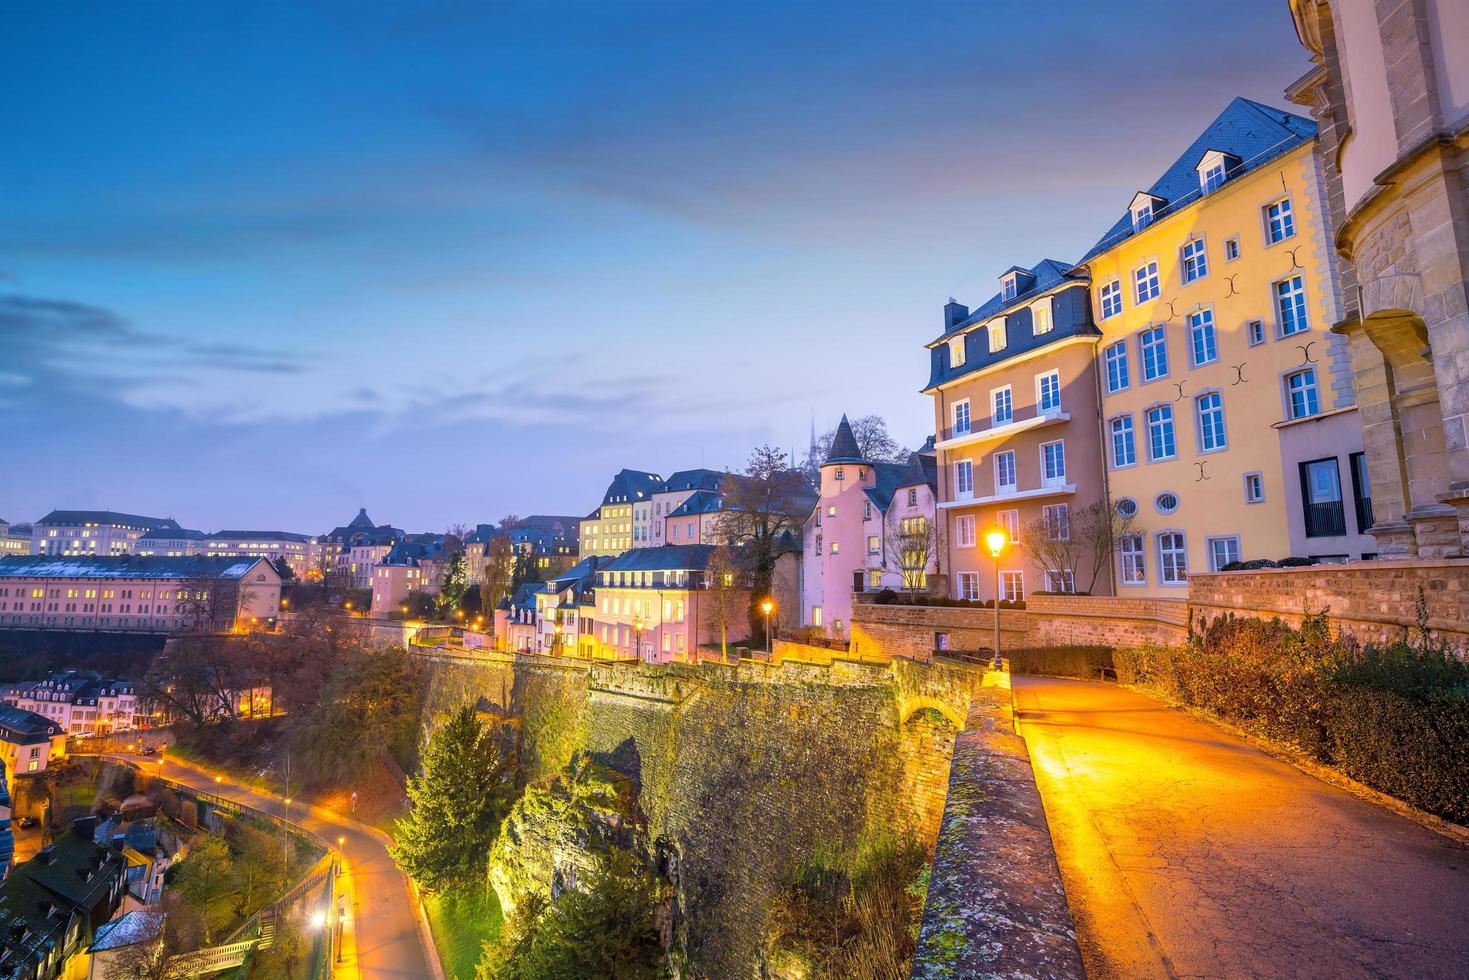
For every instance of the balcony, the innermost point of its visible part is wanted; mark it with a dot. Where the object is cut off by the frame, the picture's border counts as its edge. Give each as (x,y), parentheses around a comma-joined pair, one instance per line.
(1326,519)
(1364,514)
(952,437)
(1009,494)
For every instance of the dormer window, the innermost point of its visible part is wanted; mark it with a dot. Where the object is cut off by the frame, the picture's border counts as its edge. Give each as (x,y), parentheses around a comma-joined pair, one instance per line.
(1144,208)
(1214,168)
(956,352)
(997,335)
(1008,288)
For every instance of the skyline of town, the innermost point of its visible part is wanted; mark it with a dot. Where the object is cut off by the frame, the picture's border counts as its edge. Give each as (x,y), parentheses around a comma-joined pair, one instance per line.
(868,201)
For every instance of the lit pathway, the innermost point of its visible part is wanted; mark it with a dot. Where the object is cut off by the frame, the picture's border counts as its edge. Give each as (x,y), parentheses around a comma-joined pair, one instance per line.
(382,938)
(1188,853)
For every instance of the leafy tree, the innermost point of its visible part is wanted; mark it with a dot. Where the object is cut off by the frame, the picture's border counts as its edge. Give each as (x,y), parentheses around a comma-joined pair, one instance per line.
(608,930)
(763,505)
(457,803)
(366,702)
(452,589)
(205,876)
(526,568)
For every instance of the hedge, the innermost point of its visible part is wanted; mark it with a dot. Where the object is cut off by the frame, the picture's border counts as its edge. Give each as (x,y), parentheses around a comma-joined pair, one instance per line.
(1085,662)
(1394,717)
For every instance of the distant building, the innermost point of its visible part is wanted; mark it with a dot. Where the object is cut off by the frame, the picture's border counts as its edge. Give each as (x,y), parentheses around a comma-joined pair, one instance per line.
(53,906)
(608,530)
(415,564)
(29,741)
(559,626)
(349,553)
(670,496)
(98,533)
(15,539)
(130,593)
(1390,92)
(656,604)
(861,505)
(80,702)
(170,542)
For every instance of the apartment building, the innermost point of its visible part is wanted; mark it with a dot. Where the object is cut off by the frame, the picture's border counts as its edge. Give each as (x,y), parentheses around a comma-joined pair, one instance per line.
(1014,393)
(100,533)
(1228,407)
(80,702)
(15,539)
(608,530)
(134,593)
(660,604)
(350,552)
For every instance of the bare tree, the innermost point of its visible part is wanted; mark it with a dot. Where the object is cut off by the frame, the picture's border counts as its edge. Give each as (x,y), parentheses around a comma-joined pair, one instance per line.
(211,603)
(873,438)
(497,574)
(761,507)
(1081,542)
(910,544)
(725,600)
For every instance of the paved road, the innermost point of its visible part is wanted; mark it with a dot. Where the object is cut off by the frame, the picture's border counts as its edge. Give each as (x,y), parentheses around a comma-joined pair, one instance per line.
(1188,853)
(382,936)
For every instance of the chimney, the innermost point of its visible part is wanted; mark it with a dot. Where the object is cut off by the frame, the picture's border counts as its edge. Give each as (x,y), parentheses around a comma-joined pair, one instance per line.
(85,827)
(954,313)
(44,854)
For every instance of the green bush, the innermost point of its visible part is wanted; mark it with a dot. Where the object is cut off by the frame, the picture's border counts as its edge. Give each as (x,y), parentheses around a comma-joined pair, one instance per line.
(1394,717)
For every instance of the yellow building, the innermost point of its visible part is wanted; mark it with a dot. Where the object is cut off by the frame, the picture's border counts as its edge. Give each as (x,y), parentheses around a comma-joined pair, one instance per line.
(608,530)
(1228,412)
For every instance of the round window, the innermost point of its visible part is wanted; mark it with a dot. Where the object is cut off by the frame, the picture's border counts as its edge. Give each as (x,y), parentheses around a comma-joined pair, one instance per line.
(1127,507)
(1167,502)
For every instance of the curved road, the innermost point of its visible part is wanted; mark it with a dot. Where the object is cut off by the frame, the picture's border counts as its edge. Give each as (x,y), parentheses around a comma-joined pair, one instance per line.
(382,940)
(1188,853)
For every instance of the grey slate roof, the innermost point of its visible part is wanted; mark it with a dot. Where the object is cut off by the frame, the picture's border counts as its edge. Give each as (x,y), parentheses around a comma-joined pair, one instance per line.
(77,518)
(258,536)
(631,485)
(700,479)
(22,727)
(844,448)
(1048,273)
(699,502)
(888,477)
(137,926)
(173,533)
(126,566)
(669,557)
(1253,132)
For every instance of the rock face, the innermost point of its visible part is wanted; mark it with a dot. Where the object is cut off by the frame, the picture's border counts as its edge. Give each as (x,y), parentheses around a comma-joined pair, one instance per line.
(559,831)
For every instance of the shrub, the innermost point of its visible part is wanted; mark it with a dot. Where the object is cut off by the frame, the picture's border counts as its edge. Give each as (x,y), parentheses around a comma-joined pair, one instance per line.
(1394,717)
(1087,662)
(1248,566)
(1296,562)
(886,597)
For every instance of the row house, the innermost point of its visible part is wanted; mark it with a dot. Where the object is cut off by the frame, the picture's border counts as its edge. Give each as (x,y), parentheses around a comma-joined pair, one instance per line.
(1228,406)
(653,531)
(515,624)
(609,530)
(134,593)
(564,608)
(1014,395)
(661,604)
(101,533)
(81,702)
(873,527)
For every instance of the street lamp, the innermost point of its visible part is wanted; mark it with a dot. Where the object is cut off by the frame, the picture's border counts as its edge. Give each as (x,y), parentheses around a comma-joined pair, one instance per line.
(637,629)
(556,643)
(996,541)
(767,607)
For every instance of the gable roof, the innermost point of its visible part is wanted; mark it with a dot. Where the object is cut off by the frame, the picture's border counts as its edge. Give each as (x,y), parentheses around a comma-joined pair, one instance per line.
(887,477)
(173,533)
(258,536)
(1251,131)
(77,518)
(923,470)
(844,448)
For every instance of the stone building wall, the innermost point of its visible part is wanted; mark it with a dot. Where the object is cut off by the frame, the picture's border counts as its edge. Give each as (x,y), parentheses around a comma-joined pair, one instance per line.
(911,631)
(742,770)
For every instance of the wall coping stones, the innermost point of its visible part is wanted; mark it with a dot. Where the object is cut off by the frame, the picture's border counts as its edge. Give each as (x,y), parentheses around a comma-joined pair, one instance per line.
(996,906)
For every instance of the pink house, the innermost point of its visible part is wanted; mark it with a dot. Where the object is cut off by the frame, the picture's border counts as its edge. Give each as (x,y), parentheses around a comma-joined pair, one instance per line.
(659,604)
(873,528)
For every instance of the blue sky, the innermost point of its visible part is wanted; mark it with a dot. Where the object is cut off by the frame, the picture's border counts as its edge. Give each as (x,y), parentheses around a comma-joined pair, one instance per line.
(262,264)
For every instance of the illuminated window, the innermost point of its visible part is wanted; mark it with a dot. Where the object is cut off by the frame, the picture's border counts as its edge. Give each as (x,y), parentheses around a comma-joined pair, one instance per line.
(956,352)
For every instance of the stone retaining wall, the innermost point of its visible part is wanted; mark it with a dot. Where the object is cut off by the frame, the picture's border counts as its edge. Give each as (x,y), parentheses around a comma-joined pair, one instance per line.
(911,631)
(1113,621)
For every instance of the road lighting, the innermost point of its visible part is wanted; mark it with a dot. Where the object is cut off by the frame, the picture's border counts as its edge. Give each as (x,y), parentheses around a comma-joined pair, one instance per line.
(556,643)
(996,541)
(767,607)
(637,629)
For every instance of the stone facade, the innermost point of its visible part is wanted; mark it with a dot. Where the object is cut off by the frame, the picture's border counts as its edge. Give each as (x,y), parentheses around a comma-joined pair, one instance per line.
(1388,93)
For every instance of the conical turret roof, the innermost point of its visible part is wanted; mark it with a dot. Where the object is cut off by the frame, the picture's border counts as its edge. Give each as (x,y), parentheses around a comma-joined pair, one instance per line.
(844,448)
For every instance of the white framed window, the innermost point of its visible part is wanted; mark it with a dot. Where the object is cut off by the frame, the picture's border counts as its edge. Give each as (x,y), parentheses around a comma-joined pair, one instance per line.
(1213,176)
(874,579)
(1142,215)
(1290,305)
(1012,586)
(1061,580)
(1195,260)
(1209,414)
(964,536)
(1280,222)
(1109,298)
(961,417)
(1166,502)
(1255,332)
(1231,249)
(1002,409)
(1005,471)
(956,352)
(1124,445)
(1056,518)
(1040,316)
(1009,287)
(968,586)
(1048,391)
(997,334)
(1153,347)
(1053,463)
(1254,488)
(1172,558)
(1161,441)
(1009,521)
(1302,399)
(1145,281)
(964,478)
(1203,344)
(1130,554)
(1222,550)
(874,544)
(815,615)
(1115,357)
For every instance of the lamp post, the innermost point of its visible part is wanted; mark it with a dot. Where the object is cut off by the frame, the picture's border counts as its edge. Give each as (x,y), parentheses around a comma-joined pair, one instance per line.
(637,631)
(767,607)
(556,643)
(996,540)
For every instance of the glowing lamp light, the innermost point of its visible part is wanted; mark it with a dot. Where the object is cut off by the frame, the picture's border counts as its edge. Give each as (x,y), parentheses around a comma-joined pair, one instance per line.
(767,607)
(318,920)
(996,541)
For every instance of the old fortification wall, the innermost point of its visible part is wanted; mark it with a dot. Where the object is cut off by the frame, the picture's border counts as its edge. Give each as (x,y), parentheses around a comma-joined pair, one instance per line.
(742,770)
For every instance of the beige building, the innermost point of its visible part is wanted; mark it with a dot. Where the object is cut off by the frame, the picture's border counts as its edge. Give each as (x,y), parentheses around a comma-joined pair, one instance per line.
(608,530)
(1390,90)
